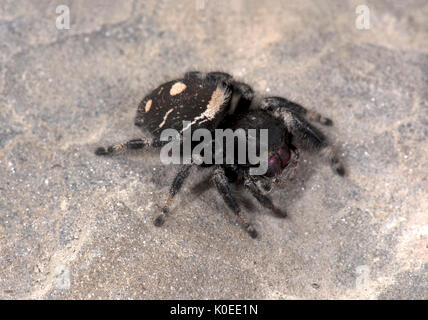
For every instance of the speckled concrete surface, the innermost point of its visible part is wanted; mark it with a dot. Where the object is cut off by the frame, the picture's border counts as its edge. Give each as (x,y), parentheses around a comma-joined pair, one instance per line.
(76,226)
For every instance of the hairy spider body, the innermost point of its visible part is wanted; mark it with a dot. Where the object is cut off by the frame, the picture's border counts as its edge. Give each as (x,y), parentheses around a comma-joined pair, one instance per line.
(217,101)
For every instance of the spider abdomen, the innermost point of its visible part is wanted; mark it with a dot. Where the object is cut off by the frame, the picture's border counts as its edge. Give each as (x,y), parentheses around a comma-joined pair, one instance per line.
(196,100)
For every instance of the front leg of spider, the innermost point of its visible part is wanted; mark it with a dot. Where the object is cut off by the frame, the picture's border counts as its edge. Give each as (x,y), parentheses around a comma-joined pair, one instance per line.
(222,185)
(263,199)
(292,116)
(134,144)
(279,102)
(175,188)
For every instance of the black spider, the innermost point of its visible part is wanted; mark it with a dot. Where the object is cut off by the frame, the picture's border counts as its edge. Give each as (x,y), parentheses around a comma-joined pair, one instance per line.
(216,100)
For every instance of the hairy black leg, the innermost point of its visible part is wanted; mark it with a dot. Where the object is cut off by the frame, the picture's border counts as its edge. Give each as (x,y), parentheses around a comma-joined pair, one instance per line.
(303,131)
(222,185)
(193,75)
(122,147)
(175,188)
(214,76)
(315,140)
(335,163)
(218,76)
(134,144)
(278,102)
(263,199)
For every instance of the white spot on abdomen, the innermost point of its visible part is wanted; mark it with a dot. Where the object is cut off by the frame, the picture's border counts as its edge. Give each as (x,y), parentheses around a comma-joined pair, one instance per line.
(218,98)
(148,105)
(177,88)
(165,117)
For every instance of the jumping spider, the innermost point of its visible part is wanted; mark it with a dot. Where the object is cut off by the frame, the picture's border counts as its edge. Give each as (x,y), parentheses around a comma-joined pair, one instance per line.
(216,100)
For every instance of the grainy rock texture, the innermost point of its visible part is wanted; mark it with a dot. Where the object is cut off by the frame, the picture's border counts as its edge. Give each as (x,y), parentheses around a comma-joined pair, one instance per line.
(73,225)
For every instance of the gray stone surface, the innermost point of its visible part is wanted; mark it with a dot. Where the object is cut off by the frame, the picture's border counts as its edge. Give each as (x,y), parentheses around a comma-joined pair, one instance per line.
(76,226)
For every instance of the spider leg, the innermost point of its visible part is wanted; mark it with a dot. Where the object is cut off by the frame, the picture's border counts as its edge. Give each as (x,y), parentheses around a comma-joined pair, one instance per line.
(193,75)
(218,76)
(122,147)
(303,131)
(263,199)
(175,188)
(222,185)
(278,102)
(214,77)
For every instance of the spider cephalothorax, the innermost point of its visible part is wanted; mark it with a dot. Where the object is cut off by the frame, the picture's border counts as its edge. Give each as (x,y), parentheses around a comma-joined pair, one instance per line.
(217,101)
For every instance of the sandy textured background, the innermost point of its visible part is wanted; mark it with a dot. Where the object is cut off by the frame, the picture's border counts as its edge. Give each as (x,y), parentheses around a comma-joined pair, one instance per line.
(76,226)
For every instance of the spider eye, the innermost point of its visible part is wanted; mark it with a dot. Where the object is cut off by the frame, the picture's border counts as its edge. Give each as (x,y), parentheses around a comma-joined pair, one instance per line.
(274,167)
(285,156)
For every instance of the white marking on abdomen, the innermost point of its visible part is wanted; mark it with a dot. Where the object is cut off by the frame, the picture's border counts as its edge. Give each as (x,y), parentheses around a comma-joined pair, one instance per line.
(166,116)
(148,105)
(177,88)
